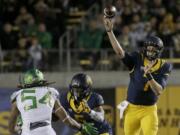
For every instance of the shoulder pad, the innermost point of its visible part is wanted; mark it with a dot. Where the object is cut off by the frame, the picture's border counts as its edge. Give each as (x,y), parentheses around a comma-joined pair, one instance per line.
(54,93)
(167,68)
(14,95)
(99,99)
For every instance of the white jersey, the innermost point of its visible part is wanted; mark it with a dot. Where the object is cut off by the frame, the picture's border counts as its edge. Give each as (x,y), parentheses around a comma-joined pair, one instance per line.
(35,104)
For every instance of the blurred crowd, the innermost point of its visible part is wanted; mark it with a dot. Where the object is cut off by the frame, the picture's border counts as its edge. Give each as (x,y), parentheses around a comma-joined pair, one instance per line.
(135,20)
(139,18)
(30,27)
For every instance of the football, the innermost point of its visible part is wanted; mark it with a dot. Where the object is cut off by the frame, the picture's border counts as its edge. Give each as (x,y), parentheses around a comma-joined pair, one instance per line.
(110,11)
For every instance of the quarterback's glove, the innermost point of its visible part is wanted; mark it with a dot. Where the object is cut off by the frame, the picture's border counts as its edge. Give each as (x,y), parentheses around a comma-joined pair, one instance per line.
(88,129)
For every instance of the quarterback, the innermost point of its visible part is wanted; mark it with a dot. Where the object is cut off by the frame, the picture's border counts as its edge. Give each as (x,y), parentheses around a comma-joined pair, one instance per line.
(148,77)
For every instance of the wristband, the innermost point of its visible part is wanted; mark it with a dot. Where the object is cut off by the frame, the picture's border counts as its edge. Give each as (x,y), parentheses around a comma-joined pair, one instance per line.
(149,76)
(58,109)
(67,117)
(108,31)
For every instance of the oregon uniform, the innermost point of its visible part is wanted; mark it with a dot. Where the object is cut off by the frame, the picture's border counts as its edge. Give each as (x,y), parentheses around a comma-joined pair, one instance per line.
(28,112)
(74,104)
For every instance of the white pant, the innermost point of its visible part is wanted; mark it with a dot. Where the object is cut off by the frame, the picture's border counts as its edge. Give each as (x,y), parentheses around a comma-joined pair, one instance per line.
(46,130)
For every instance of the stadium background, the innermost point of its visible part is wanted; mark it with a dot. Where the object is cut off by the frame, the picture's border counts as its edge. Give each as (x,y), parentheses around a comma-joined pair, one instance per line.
(64,37)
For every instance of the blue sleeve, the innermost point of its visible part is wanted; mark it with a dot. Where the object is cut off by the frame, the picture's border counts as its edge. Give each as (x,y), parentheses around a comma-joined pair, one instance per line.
(99,100)
(63,99)
(130,59)
(166,70)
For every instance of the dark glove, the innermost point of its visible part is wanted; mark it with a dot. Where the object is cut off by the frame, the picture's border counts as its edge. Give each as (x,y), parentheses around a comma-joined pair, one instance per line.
(89,129)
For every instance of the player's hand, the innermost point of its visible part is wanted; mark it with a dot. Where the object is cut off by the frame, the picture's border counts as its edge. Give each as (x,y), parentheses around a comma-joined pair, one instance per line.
(108,24)
(89,129)
(86,107)
(18,128)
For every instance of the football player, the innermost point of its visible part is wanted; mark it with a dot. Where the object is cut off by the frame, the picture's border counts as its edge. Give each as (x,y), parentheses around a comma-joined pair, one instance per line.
(34,102)
(148,78)
(84,105)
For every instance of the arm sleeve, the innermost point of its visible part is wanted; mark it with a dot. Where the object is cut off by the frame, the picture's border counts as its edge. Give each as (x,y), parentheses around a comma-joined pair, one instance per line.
(165,74)
(62,99)
(98,116)
(130,59)
(99,100)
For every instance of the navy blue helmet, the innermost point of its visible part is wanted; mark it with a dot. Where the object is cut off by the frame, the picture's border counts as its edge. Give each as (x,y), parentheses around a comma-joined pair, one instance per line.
(80,86)
(153,47)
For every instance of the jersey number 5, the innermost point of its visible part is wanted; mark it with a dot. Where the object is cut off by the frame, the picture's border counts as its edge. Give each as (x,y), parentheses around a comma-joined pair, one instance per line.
(25,95)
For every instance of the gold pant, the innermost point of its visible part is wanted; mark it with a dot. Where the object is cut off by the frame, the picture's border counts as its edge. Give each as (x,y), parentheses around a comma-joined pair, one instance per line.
(141,117)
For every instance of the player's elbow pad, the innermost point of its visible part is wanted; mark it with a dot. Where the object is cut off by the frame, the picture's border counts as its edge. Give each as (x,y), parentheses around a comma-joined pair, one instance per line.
(97,116)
